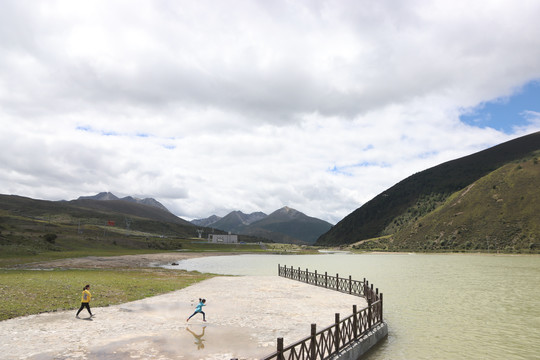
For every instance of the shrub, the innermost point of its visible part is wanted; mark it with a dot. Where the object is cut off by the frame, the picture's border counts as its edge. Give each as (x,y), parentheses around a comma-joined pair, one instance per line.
(50,238)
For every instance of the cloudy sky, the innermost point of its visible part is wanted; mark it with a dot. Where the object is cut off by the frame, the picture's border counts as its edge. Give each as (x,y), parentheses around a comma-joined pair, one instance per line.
(214,106)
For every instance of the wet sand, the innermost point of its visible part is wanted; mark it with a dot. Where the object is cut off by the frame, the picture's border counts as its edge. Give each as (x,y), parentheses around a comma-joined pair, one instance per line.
(121,261)
(245,315)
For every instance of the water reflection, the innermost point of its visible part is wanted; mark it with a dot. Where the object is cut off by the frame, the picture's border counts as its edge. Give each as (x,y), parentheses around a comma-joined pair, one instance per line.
(199,341)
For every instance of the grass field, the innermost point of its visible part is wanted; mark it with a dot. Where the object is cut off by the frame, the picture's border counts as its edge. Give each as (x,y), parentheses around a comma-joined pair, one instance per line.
(25,292)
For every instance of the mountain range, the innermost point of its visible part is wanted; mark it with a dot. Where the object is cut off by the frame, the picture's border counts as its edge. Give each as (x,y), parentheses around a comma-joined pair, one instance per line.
(106,196)
(487,200)
(232,222)
(285,225)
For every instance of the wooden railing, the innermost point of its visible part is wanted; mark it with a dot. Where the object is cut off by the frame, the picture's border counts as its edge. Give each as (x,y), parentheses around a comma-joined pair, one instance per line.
(330,340)
(349,286)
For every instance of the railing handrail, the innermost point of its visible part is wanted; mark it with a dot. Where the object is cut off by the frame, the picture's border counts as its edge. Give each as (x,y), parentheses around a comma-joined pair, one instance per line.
(343,332)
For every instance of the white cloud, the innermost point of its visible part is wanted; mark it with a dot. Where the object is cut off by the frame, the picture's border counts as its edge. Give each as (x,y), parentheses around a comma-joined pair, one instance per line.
(239,105)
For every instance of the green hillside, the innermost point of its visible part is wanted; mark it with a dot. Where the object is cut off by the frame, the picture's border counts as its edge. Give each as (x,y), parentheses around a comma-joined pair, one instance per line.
(418,195)
(41,229)
(499,212)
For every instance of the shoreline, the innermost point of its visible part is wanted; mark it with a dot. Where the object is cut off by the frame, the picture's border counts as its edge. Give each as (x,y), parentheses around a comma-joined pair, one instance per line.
(120,261)
(158,259)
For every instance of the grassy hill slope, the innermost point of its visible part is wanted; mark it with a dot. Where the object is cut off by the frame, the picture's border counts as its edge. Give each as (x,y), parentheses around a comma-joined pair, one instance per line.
(423,192)
(500,211)
(29,227)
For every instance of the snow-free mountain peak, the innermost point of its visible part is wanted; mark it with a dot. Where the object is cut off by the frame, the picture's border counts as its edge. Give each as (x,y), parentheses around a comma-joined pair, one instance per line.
(106,196)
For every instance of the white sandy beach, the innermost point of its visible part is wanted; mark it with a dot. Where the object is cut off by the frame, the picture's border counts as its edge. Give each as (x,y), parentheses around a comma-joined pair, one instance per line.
(245,315)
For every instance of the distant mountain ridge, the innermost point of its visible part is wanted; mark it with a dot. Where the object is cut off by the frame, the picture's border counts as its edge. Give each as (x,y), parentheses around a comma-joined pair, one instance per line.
(107,196)
(99,212)
(233,221)
(285,225)
(206,222)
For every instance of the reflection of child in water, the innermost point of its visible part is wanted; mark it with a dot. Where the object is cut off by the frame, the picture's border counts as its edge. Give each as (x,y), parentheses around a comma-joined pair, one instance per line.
(198,338)
(198,309)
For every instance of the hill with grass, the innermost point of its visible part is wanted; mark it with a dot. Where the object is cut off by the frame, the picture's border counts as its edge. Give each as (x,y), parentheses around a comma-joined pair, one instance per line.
(499,212)
(393,213)
(30,227)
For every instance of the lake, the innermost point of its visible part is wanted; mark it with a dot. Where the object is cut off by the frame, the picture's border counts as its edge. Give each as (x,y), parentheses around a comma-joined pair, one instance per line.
(442,306)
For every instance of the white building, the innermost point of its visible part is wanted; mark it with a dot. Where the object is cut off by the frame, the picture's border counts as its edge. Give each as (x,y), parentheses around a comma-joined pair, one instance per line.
(223,239)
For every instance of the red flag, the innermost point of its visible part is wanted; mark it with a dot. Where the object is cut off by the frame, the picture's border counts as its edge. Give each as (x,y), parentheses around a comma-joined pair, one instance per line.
(110,223)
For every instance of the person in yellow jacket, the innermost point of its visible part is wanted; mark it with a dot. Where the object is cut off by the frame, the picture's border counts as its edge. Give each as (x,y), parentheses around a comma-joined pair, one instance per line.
(85,301)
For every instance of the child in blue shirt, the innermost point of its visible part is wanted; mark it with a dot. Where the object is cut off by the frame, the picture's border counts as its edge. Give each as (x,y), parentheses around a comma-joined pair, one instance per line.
(198,309)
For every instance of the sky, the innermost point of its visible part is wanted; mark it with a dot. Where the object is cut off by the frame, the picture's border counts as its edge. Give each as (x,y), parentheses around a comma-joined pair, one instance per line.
(215,106)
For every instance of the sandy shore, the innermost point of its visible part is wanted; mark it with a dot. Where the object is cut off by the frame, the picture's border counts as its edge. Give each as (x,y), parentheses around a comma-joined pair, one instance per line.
(245,316)
(123,261)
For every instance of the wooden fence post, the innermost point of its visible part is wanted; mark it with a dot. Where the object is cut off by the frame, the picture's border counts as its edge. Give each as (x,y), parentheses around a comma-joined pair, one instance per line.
(280,349)
(355,322)
(336,333)
(369,314)
(381,309)
(313,347)
(366,290)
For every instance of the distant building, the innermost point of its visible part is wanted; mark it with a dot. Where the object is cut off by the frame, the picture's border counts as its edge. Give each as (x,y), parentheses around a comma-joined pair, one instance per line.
(223,239)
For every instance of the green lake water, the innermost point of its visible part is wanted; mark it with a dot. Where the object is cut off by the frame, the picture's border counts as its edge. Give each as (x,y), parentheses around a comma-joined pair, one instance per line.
(437,306)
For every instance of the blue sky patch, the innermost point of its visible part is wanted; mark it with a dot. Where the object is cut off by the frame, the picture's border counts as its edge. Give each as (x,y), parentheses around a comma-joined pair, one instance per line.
(343,170)
(505,113)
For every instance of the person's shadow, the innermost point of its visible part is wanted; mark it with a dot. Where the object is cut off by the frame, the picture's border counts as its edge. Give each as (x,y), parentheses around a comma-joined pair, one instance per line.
(199,341)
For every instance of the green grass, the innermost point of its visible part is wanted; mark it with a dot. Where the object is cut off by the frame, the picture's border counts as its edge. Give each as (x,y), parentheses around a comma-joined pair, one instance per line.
(25,292)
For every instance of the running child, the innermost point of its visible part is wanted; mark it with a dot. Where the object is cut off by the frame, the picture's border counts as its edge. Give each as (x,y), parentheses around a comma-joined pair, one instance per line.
(198,309)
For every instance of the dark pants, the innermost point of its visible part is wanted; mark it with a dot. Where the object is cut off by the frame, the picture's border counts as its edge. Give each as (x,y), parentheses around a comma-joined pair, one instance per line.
(202,312)
(84,305)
